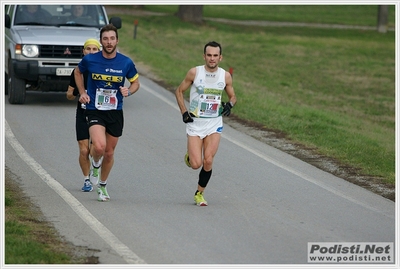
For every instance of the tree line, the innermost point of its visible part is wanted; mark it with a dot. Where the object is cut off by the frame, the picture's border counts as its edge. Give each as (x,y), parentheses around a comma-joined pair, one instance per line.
(194,14)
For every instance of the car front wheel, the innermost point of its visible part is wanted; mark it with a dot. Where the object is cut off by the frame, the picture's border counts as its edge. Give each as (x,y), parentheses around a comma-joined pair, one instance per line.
(16,87)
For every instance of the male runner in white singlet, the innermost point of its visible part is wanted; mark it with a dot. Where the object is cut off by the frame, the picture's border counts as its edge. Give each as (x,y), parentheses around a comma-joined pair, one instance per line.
(204,118)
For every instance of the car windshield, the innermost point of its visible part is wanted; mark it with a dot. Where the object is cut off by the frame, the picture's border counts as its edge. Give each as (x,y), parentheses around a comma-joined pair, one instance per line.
(60,15)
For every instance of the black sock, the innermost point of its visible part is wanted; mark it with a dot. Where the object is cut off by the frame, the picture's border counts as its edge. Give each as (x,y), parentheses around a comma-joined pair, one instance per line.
(204,177)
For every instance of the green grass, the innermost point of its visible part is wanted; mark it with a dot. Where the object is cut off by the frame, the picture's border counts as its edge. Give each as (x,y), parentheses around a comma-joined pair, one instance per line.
(23,248)
(330,89)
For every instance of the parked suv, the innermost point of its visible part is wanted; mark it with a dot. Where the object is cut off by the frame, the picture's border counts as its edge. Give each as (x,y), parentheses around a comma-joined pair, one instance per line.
(42,48)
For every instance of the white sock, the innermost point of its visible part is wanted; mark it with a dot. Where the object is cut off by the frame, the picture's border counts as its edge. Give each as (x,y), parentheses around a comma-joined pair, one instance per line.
(97,164)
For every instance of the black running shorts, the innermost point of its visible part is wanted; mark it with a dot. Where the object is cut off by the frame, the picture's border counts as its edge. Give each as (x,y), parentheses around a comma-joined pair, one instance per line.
(81,125)
(112,120)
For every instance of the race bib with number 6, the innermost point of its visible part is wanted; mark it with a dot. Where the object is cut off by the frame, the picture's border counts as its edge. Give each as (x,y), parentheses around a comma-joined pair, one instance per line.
(106,99)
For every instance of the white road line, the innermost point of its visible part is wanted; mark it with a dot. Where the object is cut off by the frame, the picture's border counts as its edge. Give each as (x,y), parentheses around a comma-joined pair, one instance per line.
(266,158)
(129,256)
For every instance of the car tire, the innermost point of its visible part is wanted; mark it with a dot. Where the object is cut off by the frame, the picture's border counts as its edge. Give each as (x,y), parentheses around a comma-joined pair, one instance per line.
(16,87)
(5,83)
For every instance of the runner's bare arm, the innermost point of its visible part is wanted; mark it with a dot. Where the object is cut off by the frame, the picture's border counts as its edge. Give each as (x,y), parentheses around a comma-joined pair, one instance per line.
(229,88)
(185,84)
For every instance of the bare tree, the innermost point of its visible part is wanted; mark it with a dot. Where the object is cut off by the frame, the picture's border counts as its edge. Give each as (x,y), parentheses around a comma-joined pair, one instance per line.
(383,18)
(192,13)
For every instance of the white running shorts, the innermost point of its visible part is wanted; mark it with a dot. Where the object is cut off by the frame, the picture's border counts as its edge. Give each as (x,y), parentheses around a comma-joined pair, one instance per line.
(203,127)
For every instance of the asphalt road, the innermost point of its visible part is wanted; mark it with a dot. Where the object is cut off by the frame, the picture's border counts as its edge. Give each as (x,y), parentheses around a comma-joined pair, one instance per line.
(264,205)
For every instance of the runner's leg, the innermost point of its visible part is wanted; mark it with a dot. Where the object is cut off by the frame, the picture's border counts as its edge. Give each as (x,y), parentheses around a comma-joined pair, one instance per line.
(194,147)
(98,136)
(108,158)
(210,148)
(84,156)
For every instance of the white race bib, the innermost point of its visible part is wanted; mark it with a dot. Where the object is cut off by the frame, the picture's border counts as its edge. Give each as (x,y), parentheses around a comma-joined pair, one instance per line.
(106,99)
(208,105)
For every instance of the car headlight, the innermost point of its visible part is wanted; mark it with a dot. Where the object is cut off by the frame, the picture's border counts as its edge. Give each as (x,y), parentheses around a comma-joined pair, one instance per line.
(30,51)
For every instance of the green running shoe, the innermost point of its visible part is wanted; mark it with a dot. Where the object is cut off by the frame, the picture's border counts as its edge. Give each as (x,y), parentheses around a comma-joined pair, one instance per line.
(187,159)
(103,194)
(199,199)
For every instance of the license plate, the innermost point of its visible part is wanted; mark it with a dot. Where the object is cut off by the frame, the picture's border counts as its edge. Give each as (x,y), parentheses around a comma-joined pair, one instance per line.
(64,71)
